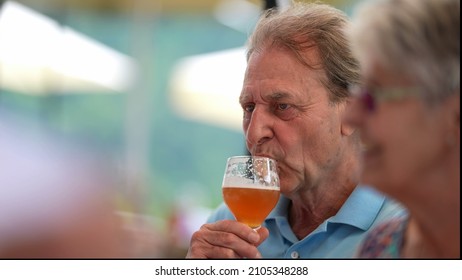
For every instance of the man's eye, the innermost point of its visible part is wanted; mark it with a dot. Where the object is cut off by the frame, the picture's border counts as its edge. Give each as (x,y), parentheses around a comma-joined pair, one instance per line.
(285,111)
(282,106)
(248,108)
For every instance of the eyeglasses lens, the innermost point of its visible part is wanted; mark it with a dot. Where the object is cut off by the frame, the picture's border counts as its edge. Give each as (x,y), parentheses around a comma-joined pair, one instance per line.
(368,100)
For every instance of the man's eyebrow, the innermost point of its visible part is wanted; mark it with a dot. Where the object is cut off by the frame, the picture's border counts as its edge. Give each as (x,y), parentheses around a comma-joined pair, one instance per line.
(279,95)
(276,96)
(243,97)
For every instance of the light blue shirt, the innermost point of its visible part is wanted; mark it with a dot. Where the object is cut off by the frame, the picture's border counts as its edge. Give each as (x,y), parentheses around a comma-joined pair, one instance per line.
(337,237)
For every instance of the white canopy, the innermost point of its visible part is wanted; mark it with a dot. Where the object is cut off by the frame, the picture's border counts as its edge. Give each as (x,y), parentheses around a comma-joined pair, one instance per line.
(40,56)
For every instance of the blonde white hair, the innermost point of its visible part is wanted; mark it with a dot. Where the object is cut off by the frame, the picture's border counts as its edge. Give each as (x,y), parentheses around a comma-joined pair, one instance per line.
(416,38)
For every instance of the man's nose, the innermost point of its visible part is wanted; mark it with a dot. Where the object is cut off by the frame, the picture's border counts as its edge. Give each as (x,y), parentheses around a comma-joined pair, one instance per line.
(260,127)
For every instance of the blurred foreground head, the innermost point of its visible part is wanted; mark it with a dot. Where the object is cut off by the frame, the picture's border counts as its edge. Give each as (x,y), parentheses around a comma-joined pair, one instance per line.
(407,112)
(55,200)
(408,105)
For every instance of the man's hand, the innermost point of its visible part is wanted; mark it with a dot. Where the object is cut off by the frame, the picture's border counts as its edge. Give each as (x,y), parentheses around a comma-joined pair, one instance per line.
(226,239)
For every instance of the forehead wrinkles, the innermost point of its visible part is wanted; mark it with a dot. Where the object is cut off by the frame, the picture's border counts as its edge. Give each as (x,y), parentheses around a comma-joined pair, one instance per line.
(275,74)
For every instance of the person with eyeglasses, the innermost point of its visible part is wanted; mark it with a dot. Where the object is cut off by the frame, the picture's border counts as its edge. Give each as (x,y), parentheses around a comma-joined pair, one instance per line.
(407,112)
(293,97)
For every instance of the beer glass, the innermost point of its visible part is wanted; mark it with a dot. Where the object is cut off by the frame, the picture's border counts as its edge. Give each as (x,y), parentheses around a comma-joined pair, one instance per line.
(250,188)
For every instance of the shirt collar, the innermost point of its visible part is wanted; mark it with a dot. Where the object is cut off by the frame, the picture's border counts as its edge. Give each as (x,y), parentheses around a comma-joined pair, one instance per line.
(359,210)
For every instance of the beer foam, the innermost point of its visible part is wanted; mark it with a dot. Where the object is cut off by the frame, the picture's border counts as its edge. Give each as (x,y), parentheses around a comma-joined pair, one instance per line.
(255,186)
(252,183)
(237,182)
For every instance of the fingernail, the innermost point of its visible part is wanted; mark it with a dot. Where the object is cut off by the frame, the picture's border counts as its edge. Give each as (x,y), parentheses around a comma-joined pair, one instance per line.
(258,255)
(254,237)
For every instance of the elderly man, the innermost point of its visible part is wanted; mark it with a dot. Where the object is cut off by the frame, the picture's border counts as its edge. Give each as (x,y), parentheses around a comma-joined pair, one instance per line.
(294,94)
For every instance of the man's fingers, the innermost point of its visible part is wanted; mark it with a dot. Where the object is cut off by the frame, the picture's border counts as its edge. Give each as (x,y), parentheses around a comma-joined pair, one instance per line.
(239,229)
(225,239)
(263,234)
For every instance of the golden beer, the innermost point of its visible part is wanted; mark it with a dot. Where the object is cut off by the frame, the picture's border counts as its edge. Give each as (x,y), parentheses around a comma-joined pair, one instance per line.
(250,205)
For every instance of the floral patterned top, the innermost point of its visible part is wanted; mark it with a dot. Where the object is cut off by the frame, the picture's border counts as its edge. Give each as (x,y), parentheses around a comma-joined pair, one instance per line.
(385,241)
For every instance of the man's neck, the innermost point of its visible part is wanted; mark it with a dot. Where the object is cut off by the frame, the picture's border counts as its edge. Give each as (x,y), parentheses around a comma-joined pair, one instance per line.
(312,209)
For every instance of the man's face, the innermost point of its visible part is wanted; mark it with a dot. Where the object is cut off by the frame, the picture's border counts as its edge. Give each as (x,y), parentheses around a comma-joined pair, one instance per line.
(288,117)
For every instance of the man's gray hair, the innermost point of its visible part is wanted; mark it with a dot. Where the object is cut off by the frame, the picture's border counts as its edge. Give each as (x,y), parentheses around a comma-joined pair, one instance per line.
(303,26)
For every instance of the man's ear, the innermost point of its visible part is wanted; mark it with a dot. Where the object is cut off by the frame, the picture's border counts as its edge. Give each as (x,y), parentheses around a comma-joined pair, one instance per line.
(346,128)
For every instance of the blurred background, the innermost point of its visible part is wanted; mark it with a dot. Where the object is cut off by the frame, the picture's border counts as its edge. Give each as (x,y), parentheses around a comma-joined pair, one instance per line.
(148,87)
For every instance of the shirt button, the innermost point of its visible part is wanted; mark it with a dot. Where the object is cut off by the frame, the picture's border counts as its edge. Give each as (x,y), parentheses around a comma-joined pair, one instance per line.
(294,255)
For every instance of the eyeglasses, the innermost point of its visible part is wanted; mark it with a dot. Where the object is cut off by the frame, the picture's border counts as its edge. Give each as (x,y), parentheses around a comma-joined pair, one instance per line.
(369,97)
